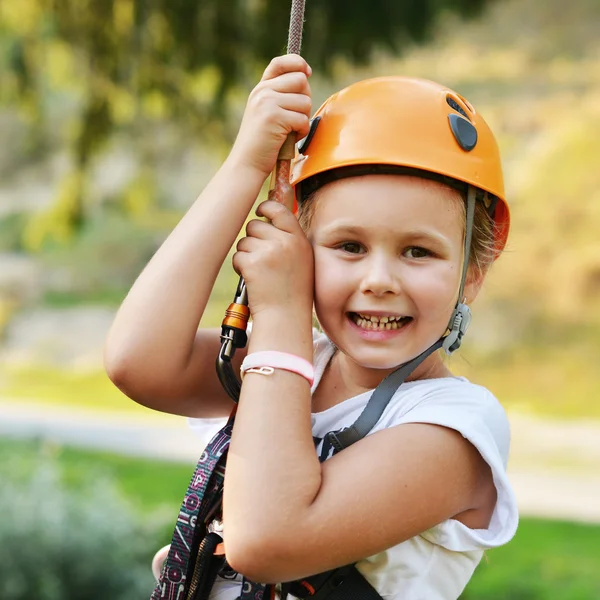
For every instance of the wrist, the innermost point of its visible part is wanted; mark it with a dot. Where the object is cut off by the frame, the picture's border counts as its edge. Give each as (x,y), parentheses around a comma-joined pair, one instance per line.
(284,331)
(242,165)
(267,361)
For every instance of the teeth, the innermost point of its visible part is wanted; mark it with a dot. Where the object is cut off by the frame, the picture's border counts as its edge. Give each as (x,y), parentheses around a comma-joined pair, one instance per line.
(379,323)
(374,319)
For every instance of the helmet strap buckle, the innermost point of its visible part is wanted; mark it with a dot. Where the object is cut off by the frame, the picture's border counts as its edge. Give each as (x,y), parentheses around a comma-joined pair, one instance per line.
(459,323)
(461,316)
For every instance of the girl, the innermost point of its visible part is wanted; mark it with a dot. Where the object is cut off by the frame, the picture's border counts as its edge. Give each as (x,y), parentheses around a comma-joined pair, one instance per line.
(401,213)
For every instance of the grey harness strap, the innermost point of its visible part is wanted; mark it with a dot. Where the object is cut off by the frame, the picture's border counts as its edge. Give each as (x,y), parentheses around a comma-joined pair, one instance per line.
(379,399)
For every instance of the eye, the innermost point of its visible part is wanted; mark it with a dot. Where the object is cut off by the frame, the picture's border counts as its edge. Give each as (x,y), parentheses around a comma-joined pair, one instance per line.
(416,252)
(351,247)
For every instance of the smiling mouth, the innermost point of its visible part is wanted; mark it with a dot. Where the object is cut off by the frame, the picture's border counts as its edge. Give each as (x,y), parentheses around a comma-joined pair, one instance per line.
(379,323)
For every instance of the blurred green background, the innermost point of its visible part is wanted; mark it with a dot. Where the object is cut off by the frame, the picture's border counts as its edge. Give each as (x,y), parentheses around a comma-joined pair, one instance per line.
(115,113)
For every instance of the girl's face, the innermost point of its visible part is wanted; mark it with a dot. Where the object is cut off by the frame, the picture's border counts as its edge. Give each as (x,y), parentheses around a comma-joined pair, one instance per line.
(388,257)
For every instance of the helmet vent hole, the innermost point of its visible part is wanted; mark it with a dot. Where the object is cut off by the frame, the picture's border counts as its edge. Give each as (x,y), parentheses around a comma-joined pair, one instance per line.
(467,104)
(452,103)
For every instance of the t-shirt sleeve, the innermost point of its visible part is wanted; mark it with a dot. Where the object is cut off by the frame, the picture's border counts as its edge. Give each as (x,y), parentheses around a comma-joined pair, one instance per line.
(476,414)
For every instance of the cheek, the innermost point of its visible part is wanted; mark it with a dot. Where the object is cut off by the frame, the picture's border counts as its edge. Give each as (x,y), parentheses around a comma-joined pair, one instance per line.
(435,291)
(330,281)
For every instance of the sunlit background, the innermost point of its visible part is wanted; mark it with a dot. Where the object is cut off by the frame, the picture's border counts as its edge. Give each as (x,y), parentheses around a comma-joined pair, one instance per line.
(113,116)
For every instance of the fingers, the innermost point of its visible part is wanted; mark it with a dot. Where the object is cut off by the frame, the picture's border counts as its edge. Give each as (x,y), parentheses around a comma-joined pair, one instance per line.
(280,219)
(279,216)
(248,244)
(288,63)
(290,92)
(289,83)
(291,87)
(298,122)
(258,230)
(295,102)
(279,105)
(265,255)
(296,108)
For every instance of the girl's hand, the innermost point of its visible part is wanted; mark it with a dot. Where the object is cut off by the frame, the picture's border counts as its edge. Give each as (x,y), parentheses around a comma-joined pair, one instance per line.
(276,261)
(279,104)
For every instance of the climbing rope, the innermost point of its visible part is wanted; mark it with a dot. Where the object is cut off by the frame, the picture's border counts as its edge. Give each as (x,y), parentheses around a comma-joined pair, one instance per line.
(296,27)
(235,323)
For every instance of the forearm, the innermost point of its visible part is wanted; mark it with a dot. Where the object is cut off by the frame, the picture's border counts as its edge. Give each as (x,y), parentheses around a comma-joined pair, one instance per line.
(157,322)
(273,474)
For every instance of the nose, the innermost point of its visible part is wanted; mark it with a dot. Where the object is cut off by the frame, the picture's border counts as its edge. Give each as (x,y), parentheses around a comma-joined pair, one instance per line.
(380,277)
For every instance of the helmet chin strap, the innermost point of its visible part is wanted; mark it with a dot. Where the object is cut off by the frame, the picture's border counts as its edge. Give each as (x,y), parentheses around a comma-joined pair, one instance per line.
(459,322)
(461,315)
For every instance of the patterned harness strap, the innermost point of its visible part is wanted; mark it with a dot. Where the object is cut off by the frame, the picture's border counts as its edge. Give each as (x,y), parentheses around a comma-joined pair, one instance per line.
(201,504)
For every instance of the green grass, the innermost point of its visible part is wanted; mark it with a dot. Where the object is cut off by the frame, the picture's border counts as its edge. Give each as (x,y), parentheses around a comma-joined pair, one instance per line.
(547,560)
(105,297)
(57,387)
(149,485)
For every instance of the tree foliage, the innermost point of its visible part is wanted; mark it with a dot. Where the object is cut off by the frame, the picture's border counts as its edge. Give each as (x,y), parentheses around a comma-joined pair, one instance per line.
(120,63)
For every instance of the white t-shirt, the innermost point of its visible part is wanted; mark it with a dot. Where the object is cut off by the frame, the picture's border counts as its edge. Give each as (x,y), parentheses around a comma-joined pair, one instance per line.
(438,563)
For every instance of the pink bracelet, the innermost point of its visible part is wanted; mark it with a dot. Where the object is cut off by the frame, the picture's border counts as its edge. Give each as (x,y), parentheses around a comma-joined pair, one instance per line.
(265,363)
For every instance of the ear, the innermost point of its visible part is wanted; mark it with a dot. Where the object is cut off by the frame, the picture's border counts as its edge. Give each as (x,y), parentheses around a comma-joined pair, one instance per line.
(475,278)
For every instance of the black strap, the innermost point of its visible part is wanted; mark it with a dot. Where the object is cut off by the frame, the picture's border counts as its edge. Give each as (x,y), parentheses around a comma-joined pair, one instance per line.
(377,403)
(345,583)
(206,568)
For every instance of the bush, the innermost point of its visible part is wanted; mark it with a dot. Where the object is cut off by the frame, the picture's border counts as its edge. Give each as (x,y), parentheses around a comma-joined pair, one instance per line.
(12,226)
(100,262)
(60,542)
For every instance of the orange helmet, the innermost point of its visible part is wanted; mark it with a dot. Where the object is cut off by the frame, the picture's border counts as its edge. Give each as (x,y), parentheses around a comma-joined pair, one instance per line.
(405,124)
